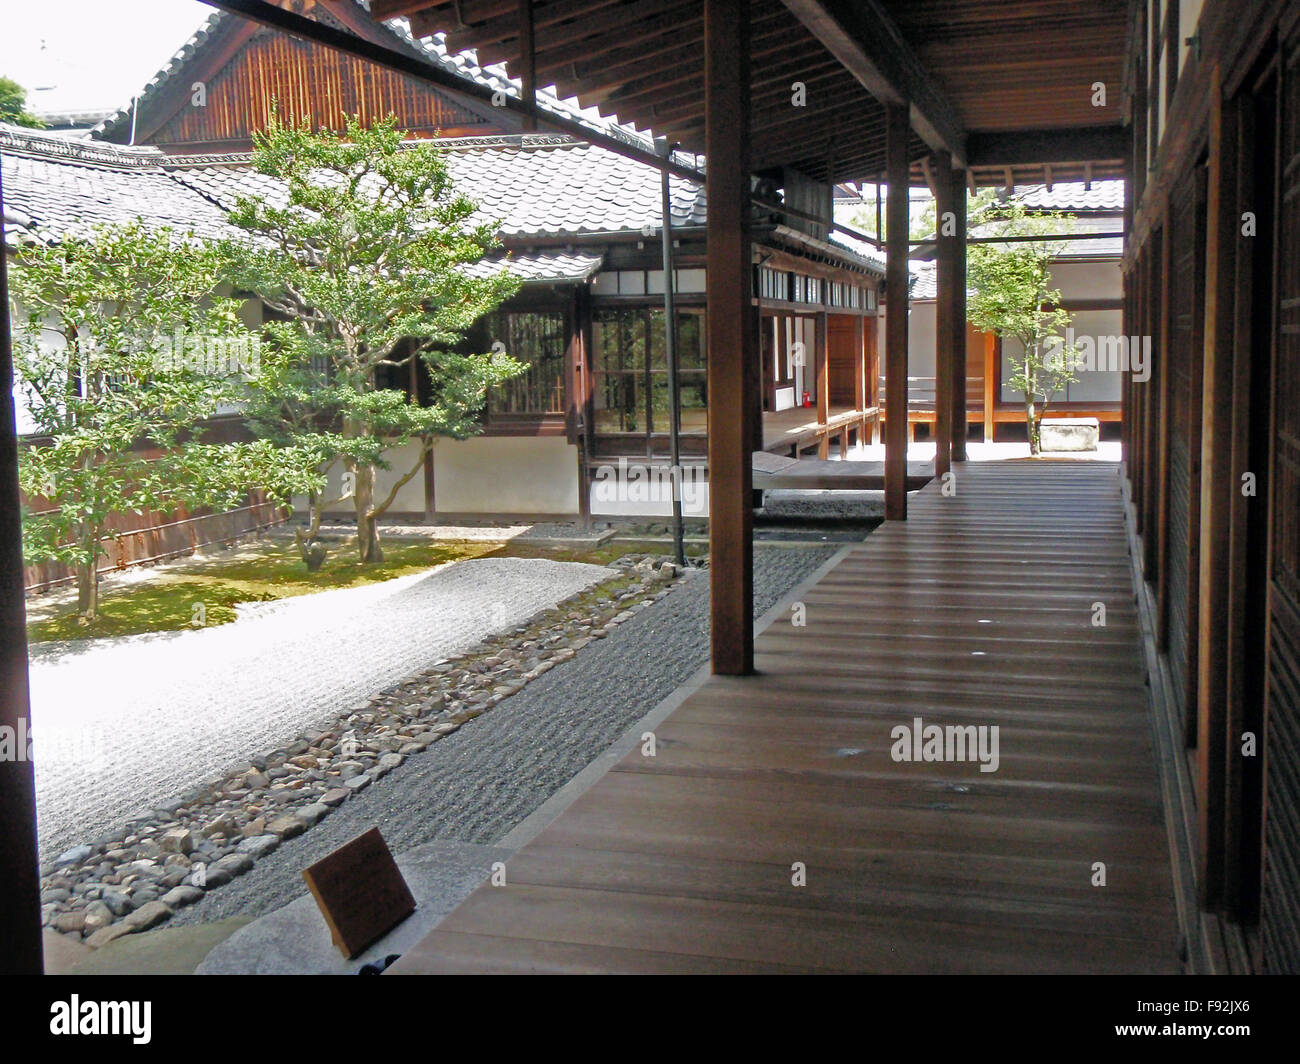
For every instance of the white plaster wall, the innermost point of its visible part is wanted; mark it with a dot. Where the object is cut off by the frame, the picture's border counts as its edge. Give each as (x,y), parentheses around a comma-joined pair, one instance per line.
(410,497)
(505,474)
(1088,280)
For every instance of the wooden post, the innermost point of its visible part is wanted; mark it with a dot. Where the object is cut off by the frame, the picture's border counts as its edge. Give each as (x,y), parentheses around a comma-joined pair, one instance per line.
(527,62)
(896,282)
(20,890)
(959,425)
(822,384)
(1217,491)
(991,388)
(860,375)
(730,339)
(945,322)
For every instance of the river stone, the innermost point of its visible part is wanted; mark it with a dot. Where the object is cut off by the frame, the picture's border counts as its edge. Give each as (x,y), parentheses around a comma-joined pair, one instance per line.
(98,915)
(181,895)
(178,840)
(234,863)
(148,915)
(73,856)
(71,923)
(105,935)
(286,827)
(335,796)
(118,903)
(312,814)
(259,845)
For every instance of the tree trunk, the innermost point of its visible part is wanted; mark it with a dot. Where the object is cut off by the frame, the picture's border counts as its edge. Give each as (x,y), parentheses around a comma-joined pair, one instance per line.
(1032,425)
(367,523)
(88,585)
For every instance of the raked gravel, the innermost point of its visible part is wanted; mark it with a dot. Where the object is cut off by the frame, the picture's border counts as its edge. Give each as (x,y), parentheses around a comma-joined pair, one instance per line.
(131,722)
(478,783)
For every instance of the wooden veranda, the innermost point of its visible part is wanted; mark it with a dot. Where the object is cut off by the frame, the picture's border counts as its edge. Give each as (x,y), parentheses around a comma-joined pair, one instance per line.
(979,613)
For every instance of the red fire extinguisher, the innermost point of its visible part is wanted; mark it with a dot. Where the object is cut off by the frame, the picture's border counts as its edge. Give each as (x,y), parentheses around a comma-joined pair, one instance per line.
(807,398)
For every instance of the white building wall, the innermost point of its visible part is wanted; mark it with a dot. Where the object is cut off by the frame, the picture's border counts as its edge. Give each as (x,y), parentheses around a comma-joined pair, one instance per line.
(505,474)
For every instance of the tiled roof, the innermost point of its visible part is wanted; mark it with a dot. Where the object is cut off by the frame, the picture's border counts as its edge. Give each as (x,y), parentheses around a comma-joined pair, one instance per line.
(52,188)
(531,185)
(1073,196)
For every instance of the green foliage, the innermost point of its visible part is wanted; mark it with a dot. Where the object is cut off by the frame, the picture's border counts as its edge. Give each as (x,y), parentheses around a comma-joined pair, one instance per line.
(1012,296)
(94,323)
(13,105)
(370,254)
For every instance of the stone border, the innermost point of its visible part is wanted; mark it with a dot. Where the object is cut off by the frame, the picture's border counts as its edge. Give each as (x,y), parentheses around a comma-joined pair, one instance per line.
(170,856)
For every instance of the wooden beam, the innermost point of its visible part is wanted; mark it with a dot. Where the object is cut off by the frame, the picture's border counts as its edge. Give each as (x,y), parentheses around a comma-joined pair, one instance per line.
(730,337)
(20,889)
(896,284)
(946,325)
(863,36)
(1039,146)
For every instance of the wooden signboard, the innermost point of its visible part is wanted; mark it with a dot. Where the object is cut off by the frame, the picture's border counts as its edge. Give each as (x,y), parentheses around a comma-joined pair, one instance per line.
(360,891)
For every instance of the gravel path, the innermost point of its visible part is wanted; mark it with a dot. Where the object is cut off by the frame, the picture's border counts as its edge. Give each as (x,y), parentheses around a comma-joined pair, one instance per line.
(134,721)
(478,783)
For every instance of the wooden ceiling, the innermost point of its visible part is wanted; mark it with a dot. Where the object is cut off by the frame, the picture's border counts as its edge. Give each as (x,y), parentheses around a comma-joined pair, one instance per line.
(995,67)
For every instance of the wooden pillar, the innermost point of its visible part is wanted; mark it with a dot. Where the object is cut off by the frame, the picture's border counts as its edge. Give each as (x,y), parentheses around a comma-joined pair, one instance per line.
(896,283)
(945,352)
(959,425)
(991,389)
(822,384)
(730,339)
(20,891)
(860,374)
(1218,491)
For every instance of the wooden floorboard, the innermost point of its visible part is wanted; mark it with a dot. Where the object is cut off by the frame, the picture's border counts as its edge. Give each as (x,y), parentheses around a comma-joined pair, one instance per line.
(978,611)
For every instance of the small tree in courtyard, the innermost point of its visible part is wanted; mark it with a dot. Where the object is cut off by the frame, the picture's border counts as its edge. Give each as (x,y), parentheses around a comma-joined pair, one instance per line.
(1012,296)
(371,256)
(108,331)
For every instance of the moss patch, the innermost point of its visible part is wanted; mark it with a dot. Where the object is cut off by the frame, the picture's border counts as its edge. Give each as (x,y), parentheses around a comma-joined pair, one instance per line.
(166,602)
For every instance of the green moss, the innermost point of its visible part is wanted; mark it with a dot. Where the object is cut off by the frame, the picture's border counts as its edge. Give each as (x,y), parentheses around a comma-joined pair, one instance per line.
(166,601)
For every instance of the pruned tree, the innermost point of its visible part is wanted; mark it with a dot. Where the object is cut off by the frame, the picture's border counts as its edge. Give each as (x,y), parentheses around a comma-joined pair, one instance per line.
(374,260)
(1012,295)
(120,354)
